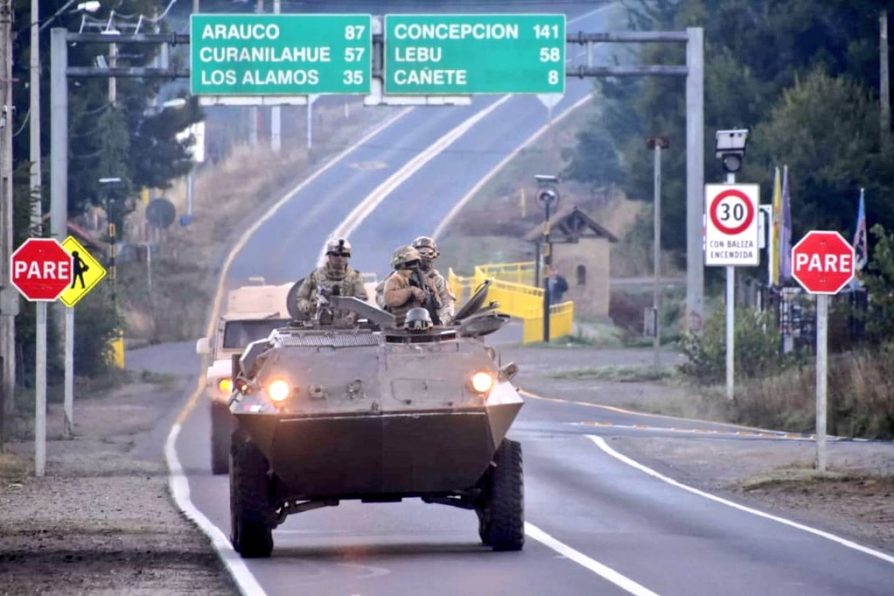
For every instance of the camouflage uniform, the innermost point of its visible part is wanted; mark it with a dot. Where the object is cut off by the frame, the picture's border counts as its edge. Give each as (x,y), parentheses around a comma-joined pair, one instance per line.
(349,282)
(446,297)
(397,291)
(326,278)
(399,298)
(428,251)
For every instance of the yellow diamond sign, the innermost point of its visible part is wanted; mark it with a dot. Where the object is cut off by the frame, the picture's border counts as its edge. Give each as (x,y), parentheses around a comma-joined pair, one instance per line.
(87,272)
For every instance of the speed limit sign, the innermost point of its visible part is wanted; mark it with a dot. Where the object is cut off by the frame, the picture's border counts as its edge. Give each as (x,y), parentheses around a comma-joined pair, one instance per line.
(731,225)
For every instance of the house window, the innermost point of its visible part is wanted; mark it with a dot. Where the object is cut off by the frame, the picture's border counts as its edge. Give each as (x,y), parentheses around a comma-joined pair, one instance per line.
(581,275)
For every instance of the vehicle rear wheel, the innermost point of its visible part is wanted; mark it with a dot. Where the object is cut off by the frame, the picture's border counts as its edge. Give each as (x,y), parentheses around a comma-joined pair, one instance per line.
(502,516)
(222,424)
(251,512)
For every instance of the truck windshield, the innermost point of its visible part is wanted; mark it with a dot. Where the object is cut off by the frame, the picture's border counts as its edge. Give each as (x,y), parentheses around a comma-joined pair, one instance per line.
(238,334)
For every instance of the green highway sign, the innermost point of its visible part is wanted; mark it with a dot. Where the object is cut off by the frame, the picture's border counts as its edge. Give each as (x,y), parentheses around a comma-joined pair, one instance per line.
(463,54)
(240,54)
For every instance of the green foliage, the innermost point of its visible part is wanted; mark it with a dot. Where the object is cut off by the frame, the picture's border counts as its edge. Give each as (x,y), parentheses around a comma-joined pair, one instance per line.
(96,324)
(879,280)
(796,72)
(757,343)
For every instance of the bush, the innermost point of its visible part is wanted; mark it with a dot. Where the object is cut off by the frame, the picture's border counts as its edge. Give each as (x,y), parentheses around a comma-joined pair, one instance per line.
(757,343)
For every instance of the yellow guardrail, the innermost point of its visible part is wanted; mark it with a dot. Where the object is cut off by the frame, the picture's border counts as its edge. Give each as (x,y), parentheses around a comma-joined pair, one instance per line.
(519,273)
(561,320)
(520,300)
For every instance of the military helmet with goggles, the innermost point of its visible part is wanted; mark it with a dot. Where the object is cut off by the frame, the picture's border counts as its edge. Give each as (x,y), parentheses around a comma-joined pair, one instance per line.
(338,247)
(426,247)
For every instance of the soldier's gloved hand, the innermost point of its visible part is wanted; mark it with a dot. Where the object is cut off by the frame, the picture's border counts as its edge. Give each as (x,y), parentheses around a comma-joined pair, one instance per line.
(418,294)
(303,306)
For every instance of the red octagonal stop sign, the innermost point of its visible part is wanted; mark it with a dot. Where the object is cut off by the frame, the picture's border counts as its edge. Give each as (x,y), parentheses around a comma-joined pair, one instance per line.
(823,262)
(40,269)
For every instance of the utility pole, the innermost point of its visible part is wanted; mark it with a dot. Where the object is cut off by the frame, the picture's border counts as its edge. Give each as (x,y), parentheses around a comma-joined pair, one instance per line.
(253,111)
(275,111)
(8,310)
(884,81)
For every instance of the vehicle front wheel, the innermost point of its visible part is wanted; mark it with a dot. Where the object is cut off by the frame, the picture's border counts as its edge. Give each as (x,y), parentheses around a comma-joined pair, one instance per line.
(251,511)
(222,426)
(501,515)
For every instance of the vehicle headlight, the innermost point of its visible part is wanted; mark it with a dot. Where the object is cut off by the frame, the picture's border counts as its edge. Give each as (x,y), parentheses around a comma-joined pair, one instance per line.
(482,382)
(278,390)
(225,385)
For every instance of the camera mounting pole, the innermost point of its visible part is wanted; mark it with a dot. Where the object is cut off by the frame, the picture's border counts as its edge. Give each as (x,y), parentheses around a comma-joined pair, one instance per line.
(548,196)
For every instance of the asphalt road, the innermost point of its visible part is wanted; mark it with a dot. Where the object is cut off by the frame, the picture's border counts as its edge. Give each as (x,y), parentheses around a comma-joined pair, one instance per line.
(598,526)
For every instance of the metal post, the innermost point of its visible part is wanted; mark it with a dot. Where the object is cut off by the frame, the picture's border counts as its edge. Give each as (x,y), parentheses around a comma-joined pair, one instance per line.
(310,121)
(68,406)
(253,112)
(656,253)
(547,263)
(7,318)
(189,191)
(730,320)
(695,177)
(275,122)
(822,316)
(40,397)
(34,121)
(58,134)
(884,85)
(113,82)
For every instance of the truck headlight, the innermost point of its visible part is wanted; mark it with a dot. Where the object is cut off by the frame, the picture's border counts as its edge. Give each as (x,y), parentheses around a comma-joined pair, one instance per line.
(225,385)
(482,382)
(278,390)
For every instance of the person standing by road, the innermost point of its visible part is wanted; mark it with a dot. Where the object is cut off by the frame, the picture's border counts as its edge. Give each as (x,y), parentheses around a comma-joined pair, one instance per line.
(558,285)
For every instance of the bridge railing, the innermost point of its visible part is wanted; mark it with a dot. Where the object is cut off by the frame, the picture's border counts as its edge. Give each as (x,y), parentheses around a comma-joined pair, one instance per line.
(520,300)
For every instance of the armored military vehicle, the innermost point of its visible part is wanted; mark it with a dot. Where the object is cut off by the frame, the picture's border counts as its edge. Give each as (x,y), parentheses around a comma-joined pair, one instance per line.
(375,413)
(250,313)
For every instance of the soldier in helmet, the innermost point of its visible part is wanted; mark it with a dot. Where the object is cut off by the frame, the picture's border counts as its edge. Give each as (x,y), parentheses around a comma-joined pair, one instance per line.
(428,252)
(336,277)
(406,288)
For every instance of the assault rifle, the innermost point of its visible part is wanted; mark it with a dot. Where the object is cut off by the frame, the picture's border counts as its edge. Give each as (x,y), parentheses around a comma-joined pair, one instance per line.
(431,301)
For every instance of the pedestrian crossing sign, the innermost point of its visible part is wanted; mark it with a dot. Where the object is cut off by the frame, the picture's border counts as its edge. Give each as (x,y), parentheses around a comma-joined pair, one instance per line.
(87,272)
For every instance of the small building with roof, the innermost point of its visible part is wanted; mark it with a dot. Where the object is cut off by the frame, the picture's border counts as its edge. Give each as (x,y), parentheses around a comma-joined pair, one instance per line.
(581,254)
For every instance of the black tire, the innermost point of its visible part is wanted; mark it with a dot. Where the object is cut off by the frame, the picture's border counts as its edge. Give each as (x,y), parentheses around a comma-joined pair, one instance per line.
(502,516)
(251,512)
(222,426)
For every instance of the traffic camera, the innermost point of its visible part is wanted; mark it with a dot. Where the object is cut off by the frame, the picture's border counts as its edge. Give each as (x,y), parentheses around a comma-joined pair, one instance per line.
(729,147)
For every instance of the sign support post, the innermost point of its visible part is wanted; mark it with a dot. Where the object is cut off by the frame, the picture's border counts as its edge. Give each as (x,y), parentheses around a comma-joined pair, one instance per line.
(823,263)
(822,377)
(68,406)
(730,321)
(40,397)
(731,240)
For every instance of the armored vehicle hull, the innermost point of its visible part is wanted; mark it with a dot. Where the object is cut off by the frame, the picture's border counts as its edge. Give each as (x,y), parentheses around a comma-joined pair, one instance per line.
(331,414)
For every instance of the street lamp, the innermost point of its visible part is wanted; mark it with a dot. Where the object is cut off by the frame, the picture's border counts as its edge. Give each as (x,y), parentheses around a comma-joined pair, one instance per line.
(657,144)
(548,197)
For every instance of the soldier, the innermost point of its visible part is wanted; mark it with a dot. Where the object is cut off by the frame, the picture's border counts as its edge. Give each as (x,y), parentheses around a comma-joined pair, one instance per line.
(405,288)
(336,277)
(428,251)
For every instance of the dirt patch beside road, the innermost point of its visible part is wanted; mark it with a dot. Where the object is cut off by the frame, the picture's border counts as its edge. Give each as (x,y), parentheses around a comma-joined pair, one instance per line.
(102,520)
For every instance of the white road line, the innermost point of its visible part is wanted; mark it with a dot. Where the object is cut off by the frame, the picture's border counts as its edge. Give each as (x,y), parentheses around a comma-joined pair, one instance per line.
(607,573)
(474,190)
(375,198)
(600,442)
(179,487)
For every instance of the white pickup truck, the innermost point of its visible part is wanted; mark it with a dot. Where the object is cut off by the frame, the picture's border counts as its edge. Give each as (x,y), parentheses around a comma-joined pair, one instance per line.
(251,313)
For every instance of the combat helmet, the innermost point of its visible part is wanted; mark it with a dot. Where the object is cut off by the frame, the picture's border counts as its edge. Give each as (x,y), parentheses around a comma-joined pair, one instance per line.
(426,247)
(418,319)
(338,247)
(404,256)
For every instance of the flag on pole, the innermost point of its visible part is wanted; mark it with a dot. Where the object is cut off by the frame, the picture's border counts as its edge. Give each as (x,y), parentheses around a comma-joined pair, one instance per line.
(785,236)
(861,242)
(775,229)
